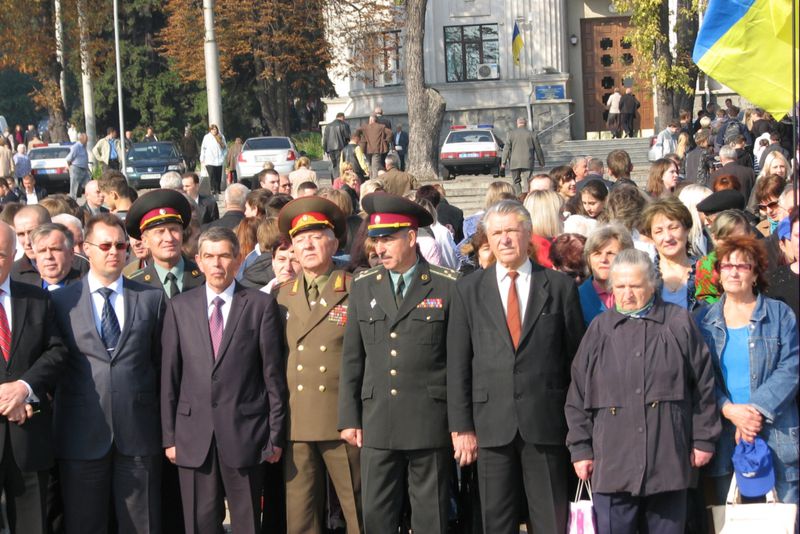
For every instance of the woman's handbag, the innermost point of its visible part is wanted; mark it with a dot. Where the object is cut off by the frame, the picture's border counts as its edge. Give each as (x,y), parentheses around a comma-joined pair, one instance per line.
(770,517)
(581,513)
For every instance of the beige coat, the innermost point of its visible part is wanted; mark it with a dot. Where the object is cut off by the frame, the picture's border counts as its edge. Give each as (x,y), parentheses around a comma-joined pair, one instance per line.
(6,162)
(102,149)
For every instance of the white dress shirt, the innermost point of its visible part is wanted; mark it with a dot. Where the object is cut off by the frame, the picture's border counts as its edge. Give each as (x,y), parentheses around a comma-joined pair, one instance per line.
(523,287)
(117,300)
(226,295)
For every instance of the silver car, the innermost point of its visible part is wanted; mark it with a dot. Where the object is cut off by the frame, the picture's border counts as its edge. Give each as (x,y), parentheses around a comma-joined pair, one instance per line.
(256,151)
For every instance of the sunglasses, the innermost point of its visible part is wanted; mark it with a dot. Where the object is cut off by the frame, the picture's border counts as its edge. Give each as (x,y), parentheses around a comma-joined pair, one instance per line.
(744,267)
(769,206)
(105,247)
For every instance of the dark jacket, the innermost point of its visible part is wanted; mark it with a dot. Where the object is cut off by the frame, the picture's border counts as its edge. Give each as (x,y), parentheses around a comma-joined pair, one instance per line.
(38,356)
(231,220)
(336,137)
(522,147)
(451,217)
(189,148)
(745,175)
(18,195)
(209,210)
(628,104)
(403,142)
(24,271)
(238,399)
(259,273)
(498,391)
(641,398)
(378,138)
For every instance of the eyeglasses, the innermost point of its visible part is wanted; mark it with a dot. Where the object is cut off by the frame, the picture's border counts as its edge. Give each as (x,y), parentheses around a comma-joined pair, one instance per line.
(743,267)
(105,247)
(768,206)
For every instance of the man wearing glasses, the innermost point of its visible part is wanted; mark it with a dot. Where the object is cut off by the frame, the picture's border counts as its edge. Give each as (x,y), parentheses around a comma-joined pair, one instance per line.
(106,423)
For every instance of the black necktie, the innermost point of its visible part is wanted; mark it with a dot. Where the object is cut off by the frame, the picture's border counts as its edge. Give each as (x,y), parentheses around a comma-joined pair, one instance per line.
(109,325)
(398,292)
(172,285)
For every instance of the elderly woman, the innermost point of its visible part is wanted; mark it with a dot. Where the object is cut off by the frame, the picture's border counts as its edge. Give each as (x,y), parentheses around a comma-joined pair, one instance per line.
(667,222)
(601,248)
(754,346)
(640,408)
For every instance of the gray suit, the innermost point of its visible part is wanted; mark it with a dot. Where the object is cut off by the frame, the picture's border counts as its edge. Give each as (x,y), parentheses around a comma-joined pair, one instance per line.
(521,148)
(106,415)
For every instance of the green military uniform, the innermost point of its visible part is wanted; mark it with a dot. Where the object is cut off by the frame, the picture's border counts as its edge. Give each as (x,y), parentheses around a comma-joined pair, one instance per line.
(393,386)
(190,278)
(314,308)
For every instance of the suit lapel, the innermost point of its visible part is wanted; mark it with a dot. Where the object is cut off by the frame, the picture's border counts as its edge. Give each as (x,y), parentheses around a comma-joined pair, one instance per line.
(419,289)
(238,304)
(85,316)
(205,329)
(19,309)
(494,305)
(327,300)
(537,298)
(130,299)
(382,291)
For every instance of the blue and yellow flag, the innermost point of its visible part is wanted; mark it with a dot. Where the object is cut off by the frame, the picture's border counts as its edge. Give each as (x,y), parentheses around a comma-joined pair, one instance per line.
(747,45)
(516,44)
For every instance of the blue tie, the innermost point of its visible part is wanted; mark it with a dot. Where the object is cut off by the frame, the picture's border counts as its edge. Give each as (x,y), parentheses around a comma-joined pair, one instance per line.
(109,325)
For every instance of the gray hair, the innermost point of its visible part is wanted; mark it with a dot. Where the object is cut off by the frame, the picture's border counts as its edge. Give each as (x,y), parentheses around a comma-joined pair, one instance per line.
(392,160)
(69,220)
(371,186)
(508,207)
(171,180)
(574,161)
(637,258)
(215,234)
(727,152)
(236,196)
(44,230)
(602,235)
(595,165)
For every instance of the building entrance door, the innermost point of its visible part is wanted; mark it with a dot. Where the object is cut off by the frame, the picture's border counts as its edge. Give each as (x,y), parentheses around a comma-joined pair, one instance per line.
(606,58)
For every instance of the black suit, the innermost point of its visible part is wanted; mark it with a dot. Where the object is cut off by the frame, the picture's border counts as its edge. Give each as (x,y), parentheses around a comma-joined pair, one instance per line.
(24,271)
(20,196)
(107,432)
(402,142)
(209,210)
(746,176)
(453,217)
(231,220)
(514,399)
(224,416)
(87,212)
(37,355)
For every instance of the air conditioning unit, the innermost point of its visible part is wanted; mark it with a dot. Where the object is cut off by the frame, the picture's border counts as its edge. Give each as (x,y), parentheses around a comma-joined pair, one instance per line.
(488,71)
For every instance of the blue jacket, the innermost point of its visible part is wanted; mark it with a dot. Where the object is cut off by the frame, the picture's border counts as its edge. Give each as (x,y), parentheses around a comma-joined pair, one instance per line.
(774,365)
(591,305)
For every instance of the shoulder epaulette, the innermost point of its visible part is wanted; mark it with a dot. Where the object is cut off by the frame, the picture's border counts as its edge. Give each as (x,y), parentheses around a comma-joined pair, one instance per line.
(444,272)
(365,273)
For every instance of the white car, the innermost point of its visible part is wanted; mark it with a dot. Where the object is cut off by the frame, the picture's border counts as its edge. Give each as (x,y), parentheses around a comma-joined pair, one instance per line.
(473,149)
(256,151)
(49,166)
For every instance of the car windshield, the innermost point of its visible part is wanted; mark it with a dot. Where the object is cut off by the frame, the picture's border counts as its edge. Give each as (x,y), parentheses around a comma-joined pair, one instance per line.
(151,151)
(58,152)
(470,137)
(267,143)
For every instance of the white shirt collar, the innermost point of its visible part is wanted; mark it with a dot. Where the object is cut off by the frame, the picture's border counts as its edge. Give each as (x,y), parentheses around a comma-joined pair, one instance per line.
(6,286)
(524,271)
(95,283)
(226,295)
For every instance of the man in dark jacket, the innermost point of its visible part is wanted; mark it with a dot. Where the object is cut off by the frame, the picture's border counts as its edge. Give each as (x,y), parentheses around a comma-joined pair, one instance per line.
(378,137)
(746,176)
(627,111)
(401,146)
(335,138)
(449,215)
(521,148)
(190,149)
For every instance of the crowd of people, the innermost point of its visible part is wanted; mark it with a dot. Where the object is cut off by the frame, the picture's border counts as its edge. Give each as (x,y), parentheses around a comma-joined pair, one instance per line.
(363,356)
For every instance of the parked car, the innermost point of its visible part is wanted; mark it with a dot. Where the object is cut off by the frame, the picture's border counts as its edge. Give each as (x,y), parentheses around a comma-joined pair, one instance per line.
(473,149)
(147,162)
(49,166)
(256,151)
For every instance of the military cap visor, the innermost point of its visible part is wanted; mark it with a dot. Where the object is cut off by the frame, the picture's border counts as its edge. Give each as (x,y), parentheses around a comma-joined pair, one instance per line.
(311,213)
(156,208)
(391,213)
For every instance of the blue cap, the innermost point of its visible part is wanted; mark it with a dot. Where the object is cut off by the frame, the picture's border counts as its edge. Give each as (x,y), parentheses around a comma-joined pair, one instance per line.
(784,229)
(752,463)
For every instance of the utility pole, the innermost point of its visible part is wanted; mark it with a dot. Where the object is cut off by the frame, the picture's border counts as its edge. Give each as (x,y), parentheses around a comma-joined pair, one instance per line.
(122,161)
(86,80)
(213,85)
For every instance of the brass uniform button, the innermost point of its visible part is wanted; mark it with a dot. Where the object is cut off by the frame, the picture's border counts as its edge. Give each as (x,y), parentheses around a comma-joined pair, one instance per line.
(299,367)
(393,335)
(322,389)
(300,347)
(393,352)
(322,368)
(393,372)
(299,387)
(393,392)
(323,348)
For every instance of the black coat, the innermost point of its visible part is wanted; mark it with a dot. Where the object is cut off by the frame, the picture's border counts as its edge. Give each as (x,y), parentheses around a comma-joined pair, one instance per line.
(38,357)
(498,391)
(231,220)
(336,137)
(24,271)
(746,176)
(209,210)
(453,217)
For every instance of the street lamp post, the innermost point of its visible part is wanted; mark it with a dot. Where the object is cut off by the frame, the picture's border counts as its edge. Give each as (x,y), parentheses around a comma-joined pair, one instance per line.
(213,89)
(122,161)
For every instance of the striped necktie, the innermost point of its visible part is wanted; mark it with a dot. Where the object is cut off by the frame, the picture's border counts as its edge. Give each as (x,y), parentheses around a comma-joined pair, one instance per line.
(5,332)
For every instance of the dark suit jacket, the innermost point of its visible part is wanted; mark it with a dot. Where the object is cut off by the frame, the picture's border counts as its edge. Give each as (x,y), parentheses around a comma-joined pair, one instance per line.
(103,399)
(745,175)
(24,271)
(231,220)
(37,356)
(403,142)
(240,399)
(18,194)
(498,391)
(208,208)
(452,216)
(86,212)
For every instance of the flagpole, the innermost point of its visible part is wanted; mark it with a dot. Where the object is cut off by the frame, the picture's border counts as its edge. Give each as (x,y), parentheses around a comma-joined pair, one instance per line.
(796,109)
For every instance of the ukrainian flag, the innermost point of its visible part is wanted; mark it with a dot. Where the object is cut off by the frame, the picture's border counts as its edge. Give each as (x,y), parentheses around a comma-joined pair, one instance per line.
(747,45)
(516,44)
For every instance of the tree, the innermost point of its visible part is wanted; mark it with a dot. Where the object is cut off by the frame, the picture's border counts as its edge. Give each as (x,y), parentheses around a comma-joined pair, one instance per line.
(672,71)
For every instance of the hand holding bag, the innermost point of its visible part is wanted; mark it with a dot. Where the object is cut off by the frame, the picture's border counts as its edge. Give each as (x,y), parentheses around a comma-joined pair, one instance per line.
(581,513)
(770,517)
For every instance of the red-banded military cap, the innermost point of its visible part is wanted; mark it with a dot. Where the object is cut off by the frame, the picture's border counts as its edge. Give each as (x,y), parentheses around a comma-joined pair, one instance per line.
(311,213)
(391,213)
(155,208)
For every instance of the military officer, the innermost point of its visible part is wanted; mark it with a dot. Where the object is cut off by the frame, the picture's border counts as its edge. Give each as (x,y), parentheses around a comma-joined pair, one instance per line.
(314,309)
(392,390)
(158,219)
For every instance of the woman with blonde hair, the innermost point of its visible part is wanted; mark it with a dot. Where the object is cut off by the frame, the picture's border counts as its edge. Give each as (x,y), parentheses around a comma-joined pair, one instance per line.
(302,173)
(691,195)
(545,210)
(496,192)
(212,156)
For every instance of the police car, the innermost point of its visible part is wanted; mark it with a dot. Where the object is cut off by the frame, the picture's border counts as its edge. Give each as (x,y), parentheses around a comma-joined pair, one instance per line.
(471,149)
(49,166)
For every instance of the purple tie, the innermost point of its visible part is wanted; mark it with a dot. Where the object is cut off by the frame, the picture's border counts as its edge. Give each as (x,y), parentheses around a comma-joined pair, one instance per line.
(215,325)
